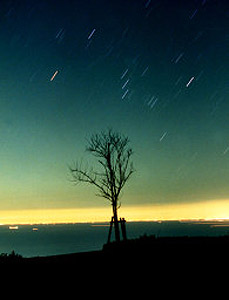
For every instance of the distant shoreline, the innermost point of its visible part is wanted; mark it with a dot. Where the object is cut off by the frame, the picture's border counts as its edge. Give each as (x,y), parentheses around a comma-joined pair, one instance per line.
(201,221)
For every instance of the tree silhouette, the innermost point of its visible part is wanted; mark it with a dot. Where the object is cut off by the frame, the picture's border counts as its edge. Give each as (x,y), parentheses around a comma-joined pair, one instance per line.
(113,168)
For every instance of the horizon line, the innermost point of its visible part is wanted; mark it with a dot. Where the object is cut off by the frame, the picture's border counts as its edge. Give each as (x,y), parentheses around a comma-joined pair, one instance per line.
(208,210)
(194,220)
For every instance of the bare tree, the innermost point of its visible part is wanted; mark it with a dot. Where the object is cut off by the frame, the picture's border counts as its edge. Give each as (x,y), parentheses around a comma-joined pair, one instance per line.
(114,168)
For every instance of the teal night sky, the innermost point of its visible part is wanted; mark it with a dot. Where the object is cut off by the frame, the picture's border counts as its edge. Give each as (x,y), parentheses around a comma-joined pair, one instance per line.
(155,70)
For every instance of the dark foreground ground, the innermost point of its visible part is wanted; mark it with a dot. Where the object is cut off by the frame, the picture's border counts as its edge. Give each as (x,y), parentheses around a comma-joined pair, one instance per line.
(187,266)
(147,251)
(143,266)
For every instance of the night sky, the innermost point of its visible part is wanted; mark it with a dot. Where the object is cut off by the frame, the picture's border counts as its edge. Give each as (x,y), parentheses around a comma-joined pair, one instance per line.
(155,70)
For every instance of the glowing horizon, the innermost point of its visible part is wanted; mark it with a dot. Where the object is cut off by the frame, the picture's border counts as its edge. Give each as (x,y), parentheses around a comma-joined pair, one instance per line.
(209,210)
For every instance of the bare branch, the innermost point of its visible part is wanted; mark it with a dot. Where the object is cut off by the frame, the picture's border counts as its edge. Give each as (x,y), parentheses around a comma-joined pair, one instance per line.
(113,156)
(82,176)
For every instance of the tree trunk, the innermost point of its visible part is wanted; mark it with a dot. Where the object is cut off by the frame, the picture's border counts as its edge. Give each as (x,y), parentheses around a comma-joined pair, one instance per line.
(116,225)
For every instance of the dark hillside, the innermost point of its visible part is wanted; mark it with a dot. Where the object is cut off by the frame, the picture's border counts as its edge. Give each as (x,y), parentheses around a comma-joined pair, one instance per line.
(144,251)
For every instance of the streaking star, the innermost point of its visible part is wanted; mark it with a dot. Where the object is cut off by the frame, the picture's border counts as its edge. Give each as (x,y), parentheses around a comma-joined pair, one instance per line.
(54,75)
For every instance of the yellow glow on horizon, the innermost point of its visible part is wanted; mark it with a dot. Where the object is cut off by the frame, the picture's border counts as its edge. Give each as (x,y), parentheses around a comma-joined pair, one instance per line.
(52,216)
(215,209)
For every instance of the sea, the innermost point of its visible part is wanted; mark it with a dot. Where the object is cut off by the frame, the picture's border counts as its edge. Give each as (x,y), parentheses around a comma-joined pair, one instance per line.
(53,239)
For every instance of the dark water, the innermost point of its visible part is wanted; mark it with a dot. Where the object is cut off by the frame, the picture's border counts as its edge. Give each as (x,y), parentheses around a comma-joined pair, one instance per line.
(70,238)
